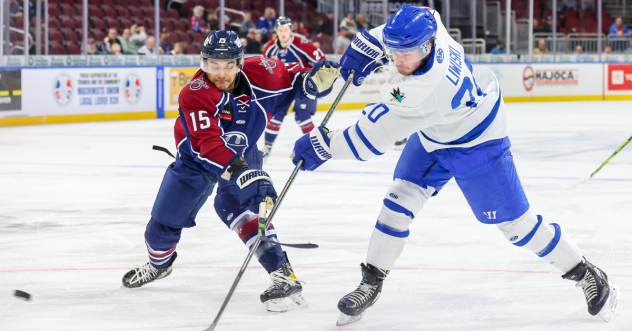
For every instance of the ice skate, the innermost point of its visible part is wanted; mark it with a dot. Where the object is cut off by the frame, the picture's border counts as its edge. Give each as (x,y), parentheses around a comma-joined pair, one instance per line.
(147,273)
(355,303)
(399,145)
(285,291)
(267,149)
(602,296)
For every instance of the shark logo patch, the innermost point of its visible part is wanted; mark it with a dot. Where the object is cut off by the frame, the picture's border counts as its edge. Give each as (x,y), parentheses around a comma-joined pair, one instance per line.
(397,95)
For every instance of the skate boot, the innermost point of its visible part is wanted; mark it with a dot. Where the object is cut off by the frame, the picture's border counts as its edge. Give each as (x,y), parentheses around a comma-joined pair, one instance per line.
(355,303)
(601,295)
(399,145)
(266,152)
(285,291)
(144,274)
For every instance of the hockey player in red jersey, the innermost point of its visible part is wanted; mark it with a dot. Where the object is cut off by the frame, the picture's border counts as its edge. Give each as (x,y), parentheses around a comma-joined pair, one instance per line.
(290,48)
(223,112)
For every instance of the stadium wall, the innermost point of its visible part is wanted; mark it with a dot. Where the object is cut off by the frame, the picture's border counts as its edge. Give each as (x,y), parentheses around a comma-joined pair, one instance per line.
(82,94)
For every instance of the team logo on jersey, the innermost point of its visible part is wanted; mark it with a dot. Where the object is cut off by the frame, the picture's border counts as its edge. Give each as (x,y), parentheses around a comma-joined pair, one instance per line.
(393,195)
(268,64)
(197,84)
(63,89)
(236,140)
(514,238)
(283,52)
(490,214)
(133,88)
(397,95)
(440,55)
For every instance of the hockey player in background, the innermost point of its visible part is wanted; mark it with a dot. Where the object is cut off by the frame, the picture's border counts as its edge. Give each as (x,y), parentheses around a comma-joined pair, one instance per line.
(458,117)
(289,48)
(223,111)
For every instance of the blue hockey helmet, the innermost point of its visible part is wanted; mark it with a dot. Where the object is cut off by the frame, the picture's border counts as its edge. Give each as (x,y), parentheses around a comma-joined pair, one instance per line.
(283,20)
(222,45)
(410,28)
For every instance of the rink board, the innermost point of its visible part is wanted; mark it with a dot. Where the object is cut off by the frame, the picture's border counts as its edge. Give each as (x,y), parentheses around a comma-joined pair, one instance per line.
(83,94)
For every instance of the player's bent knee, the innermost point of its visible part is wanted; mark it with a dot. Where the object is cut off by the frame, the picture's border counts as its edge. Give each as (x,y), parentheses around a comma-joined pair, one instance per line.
(406,197)
(547,241)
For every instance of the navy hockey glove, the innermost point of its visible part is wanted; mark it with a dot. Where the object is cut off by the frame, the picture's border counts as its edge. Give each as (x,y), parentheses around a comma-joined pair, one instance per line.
(318,82)
(313,148)
(360,57)
(254,184)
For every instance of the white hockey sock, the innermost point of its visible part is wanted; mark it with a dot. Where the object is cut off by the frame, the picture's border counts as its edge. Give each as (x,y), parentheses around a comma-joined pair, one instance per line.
(402,201)
(547,241)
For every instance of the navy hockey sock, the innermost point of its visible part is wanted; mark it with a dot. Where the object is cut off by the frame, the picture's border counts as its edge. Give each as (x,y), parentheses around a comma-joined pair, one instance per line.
(161,241)
(270,255)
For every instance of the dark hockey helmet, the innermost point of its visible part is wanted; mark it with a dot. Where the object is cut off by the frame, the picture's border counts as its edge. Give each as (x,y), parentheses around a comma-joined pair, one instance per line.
(283,20)
(222,45)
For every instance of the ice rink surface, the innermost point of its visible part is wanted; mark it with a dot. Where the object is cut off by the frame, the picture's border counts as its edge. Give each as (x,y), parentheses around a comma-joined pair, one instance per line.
(75,199)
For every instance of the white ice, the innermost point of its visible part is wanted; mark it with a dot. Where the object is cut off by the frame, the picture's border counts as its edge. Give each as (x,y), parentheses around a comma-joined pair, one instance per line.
(75,199)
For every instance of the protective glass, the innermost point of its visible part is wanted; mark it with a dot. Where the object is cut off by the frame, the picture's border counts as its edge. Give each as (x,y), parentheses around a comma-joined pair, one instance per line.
(216,67)
(408,55)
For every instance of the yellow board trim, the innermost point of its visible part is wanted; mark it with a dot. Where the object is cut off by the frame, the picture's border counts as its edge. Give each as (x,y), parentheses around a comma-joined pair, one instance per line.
(57,119)
(17,92)
(4,93)
(618,97)
(171,113)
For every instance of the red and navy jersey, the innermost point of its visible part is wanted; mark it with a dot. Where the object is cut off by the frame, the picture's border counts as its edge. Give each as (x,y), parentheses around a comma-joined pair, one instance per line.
(300,50)
(214,126)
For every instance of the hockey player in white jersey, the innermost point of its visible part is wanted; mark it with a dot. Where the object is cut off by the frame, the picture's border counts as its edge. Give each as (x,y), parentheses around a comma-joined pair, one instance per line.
(456,116)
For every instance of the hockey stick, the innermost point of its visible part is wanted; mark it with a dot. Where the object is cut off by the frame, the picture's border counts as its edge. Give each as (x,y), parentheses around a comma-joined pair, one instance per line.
(585,179)
(262,231)
(274,209)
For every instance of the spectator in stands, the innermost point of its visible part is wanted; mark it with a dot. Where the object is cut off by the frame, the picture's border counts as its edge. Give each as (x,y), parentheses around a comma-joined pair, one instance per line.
(342,41)
(148,48)
(253,39)
(569,4)
(537,28)
(607,51)
(618,29)
(549,24)
(128,47)
(178,49)
(105,47)
(361,23)
(349,23)
(165,44)
(301,29)
(197,22)
(92,47)
(579,55)
(246,25)
(541,48)
(295,27)
(116,49)
(245,43)
(212,22)
(139,36)
(589,5)
(323,26)
(499,49)
(14,8)
(267,21)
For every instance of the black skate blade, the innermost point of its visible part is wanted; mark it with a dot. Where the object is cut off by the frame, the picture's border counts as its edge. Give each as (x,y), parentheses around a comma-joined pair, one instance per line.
(302,246)
(345,319)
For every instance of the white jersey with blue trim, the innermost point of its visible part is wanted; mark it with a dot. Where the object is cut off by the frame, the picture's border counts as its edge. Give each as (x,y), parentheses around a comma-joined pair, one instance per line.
(447,102)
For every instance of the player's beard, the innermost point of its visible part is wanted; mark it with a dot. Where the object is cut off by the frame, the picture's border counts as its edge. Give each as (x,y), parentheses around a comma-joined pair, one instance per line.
(408,68)
(224,83)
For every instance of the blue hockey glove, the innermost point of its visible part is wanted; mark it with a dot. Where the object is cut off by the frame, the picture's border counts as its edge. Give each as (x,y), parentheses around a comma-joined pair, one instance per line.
(254,184)
(360,57)
(313,148)
(318,82)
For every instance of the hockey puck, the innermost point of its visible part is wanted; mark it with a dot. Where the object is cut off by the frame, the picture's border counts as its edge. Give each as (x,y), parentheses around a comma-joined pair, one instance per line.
(22,295)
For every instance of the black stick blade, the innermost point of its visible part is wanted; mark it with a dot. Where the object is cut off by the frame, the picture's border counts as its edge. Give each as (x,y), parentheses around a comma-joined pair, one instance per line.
(302,246)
